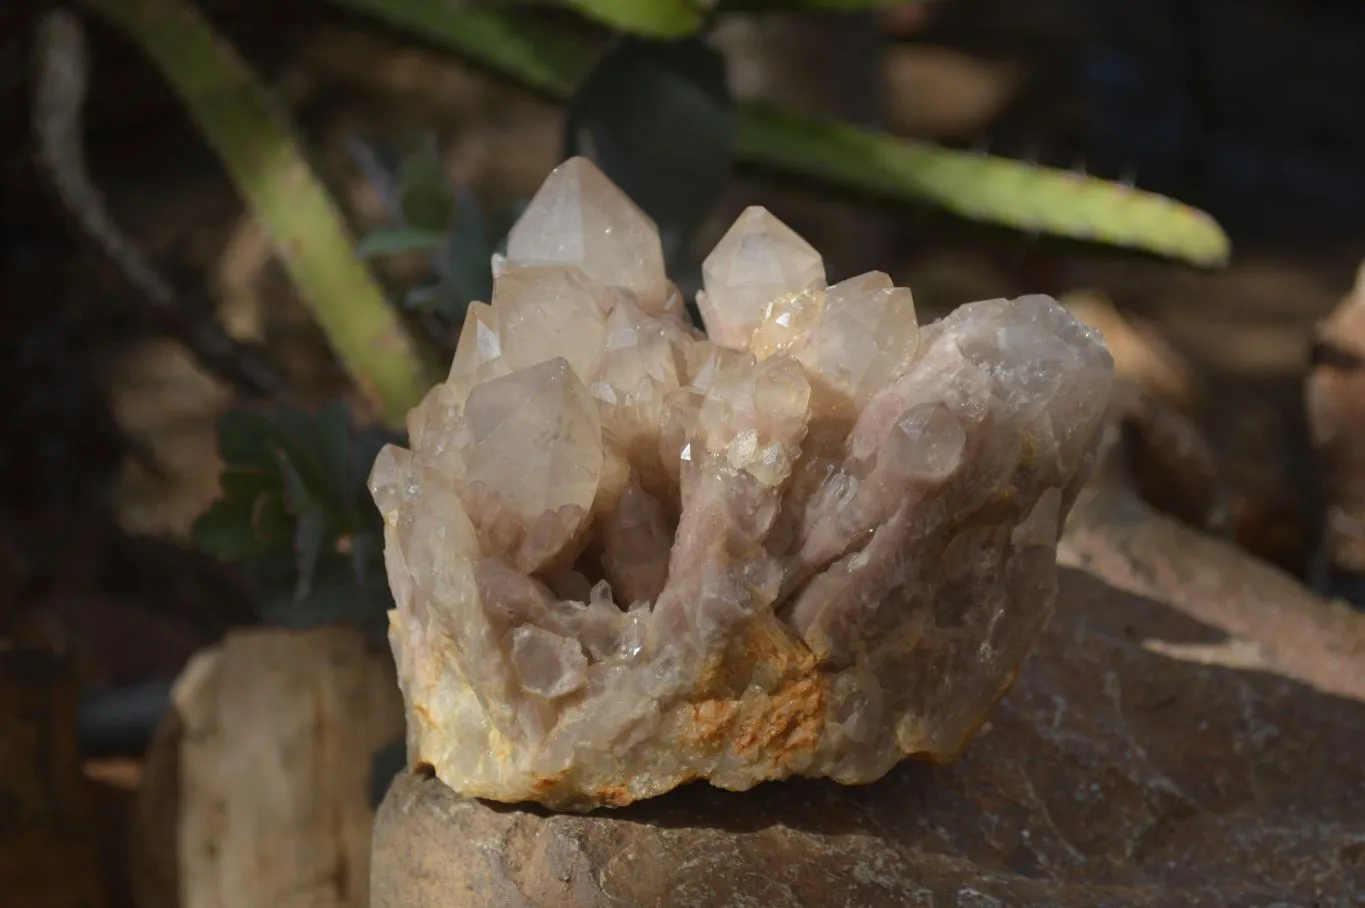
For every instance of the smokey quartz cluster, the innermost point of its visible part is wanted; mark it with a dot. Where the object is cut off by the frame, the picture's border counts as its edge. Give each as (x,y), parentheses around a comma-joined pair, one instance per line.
(815,540)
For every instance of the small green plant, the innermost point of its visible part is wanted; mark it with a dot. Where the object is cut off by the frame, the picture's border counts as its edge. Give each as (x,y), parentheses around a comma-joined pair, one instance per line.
(295,513)
(430,215)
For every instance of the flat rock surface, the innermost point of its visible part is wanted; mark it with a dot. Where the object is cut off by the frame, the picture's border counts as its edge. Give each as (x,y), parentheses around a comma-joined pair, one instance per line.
(1128,767)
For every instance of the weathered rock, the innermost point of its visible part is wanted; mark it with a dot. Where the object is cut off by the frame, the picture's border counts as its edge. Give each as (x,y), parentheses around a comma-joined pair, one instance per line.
(257,786)
(1268,620)
(1186,732)
(1127,768)
(625,556)
(1141,354)
(1334,395)
(1169,463)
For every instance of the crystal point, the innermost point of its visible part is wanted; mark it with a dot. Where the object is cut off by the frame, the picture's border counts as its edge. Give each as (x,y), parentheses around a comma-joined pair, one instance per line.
(819,541)
(759,258)
(549,312)
(533,457)
(581,219)
(867,333)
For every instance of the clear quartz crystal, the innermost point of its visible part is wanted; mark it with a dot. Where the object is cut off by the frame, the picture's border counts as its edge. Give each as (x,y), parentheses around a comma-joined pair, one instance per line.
(867,334)
(579,218)
(548,312)
(818,541)
(759,258)
(532,457)
(478,356)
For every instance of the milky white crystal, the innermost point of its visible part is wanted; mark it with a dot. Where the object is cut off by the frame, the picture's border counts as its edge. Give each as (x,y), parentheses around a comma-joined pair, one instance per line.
(625,555)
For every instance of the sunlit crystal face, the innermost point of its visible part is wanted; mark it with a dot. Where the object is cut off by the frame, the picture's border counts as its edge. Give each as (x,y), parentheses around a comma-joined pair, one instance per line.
(851,338)
(548,312)
(758,260)
(787,322)
(580,219)
(621,552)
(479,346)
(867,334)
(534,435)
(478,357)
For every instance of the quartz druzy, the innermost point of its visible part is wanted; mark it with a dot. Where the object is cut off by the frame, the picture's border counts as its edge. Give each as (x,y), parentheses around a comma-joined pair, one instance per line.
(817,540)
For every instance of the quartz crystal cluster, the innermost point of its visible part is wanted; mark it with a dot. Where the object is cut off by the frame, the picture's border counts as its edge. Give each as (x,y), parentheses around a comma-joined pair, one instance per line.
(815,540)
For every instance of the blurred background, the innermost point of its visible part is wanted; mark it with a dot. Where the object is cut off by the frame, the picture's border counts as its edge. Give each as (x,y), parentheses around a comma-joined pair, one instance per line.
(1249,111)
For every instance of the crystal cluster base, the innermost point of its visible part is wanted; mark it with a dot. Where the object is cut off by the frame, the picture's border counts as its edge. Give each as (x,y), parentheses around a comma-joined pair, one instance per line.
(816,540)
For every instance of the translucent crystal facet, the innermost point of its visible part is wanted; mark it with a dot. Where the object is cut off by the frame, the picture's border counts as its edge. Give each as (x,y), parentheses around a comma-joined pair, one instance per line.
(548,312)
(757,260)
(480,347)
(625,555)
(867,333)
(579,218)
(478,357)
(532,458)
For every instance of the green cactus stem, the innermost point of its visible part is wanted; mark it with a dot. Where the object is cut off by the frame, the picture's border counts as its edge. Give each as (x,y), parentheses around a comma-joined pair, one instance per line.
(255,141)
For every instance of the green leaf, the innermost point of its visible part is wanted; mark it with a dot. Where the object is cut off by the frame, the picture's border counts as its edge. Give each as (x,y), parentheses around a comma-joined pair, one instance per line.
(246,484)
(466,263)
(393,240)
(310,452)
(300,494)
(225,531)
(367,556)
(284,466)
(293,486)
(271,522)
(658,119)
(649,18)
(244,440)
(310,538)
(332,447)
(256,143)
(507,43)
(247,520)
(337,596)
(1033,198)
(435,296)
(983,188)
(426,192)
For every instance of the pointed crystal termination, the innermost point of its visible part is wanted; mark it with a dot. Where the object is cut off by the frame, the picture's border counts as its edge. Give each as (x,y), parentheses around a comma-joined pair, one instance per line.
(533,460)
(851,339)
(543,313)
(867,335)
(821,541)
(639,368)
(478,355)
(479,351)
(581,219)
(758,259)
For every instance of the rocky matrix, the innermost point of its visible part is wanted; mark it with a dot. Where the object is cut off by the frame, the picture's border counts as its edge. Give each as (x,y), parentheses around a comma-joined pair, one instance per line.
(817,540)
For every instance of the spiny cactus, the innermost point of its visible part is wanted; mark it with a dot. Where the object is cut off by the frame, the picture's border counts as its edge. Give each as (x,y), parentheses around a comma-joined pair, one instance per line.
(984,188)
